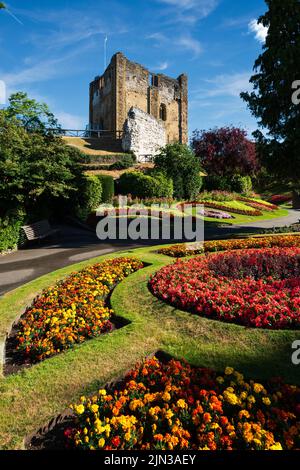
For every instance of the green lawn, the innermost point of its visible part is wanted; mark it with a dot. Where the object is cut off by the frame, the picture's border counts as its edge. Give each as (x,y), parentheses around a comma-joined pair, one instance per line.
(32,397)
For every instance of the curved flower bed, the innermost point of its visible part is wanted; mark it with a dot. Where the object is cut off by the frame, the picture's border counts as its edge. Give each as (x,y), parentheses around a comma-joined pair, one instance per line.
(174,406)
(148,212)
(260,205)
(182,250)
(72,311)
(234,210)
(281,198)
(257,288)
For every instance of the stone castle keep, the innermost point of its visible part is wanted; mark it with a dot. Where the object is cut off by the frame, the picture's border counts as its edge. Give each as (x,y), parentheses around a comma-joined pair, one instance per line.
(150,109)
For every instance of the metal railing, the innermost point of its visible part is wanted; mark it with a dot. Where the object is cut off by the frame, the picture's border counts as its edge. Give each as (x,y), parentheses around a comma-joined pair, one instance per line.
(116,135)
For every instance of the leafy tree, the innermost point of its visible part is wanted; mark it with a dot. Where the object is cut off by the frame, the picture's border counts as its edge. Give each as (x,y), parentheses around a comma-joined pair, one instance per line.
(225,151)
(178,162)
(276,69)
(2,6)
(34,116)
(39,173)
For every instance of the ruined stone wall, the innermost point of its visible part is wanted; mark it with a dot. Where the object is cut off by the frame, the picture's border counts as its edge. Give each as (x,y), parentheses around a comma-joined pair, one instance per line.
(126,84)
(143,134)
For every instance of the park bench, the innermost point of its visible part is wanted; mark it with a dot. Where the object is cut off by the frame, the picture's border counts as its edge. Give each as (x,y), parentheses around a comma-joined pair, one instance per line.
(39,230)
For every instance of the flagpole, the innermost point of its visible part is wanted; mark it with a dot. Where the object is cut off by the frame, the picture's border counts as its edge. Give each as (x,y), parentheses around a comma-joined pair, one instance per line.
(105,51)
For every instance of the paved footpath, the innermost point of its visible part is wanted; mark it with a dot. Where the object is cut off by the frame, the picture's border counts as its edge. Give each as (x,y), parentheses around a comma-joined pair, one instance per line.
(77,245)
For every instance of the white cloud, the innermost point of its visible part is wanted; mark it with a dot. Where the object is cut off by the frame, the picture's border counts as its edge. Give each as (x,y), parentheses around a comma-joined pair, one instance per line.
(71,121)
(190,44)
(259,30)
(162,66)
(190,11)
(2,92)
(227,85)
(157,37)
(43,70)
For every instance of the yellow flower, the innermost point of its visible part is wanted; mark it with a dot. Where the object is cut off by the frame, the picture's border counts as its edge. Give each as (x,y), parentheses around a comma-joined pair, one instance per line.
(94,408)
(244,414)
(276,446)
(79,409)
(229,371)
(166,396)
(220,380)
(102,393)
(182,404)
(266,401)
(231,398)
(101,443)
(258,388)
(243,395)
(169,414)
(251,399)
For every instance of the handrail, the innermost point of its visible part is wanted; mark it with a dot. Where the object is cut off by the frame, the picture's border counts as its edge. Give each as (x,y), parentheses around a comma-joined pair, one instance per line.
(88,133)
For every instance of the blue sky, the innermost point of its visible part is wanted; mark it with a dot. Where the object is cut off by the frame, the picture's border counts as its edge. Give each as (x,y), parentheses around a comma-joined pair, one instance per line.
(53,49)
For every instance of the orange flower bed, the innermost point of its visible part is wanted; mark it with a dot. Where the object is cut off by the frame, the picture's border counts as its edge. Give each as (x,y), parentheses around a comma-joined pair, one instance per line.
(183,250)
(174,406)
(72,311)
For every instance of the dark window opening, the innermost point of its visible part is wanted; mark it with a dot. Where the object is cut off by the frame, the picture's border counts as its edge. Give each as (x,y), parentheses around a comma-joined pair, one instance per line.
(163,112)
(155,80)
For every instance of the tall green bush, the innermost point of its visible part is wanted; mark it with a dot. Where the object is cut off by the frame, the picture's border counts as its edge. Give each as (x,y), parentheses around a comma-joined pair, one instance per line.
(241,184)
(90,196)
(144,186)
(179,163)
(108,188)
(10,231)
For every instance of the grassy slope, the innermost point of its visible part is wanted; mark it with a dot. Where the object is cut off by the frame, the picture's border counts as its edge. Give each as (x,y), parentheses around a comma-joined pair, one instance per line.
(29,399)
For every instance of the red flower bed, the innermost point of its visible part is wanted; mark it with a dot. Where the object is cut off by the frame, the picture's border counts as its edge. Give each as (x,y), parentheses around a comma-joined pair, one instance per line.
(257,288)
(280,198)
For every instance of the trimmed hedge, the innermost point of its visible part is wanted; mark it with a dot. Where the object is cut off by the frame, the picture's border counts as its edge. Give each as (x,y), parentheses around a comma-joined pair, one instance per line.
(235,183)
(90,197)
(145,186)
(10,232)
(108,188)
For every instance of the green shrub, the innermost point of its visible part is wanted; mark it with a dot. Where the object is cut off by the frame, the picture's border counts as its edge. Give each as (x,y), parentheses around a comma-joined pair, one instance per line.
(178,162)
(236,183)
(126,162)
(10,231)
(90,196)
(241,184)
(217,183)
(144,186)
(218,196)
(108,188)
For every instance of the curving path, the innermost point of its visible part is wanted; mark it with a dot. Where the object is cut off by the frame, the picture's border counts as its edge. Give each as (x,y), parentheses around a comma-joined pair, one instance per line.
(78,245)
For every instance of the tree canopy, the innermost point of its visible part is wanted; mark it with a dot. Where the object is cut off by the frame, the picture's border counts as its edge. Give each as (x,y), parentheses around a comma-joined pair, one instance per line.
(276,70)
(179,163)
(225,151)
(34,116)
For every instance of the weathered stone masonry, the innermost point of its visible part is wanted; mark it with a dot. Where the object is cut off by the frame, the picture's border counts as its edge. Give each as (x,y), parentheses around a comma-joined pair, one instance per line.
(126,84)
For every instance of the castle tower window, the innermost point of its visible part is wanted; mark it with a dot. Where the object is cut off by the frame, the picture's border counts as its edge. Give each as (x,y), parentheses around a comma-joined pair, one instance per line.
(155,80)
(163,112)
